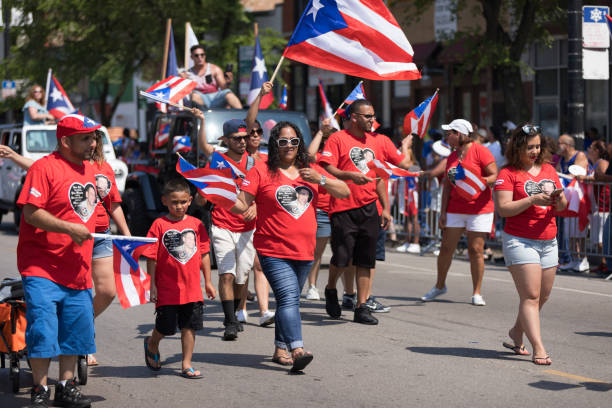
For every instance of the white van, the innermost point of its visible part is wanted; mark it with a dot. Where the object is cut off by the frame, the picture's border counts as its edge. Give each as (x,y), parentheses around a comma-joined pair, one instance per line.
(34,142)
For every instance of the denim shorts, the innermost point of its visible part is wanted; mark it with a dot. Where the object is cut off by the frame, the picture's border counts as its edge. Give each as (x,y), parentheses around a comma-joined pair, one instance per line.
(519,251)
(215,99)
(60,319)
(323,224)
(103,247)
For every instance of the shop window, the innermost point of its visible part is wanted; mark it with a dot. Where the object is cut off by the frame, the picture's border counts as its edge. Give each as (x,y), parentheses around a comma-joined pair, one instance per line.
(546,82)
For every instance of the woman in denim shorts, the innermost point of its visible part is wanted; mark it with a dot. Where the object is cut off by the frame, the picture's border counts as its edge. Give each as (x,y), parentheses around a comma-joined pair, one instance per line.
(527,193)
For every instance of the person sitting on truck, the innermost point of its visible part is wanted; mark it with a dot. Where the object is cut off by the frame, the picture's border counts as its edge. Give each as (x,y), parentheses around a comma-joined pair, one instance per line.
(212,89)
(33,111)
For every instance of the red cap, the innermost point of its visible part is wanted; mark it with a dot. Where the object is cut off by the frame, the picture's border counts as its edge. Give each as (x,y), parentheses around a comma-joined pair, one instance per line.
(74,123)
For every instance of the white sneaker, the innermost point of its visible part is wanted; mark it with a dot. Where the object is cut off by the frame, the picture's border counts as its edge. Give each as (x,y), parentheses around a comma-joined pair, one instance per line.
(569,266)
(582,266)
(433,293)
(414,249)
(477,300)
(312,293)
(242,316)
(436,252)
(266,319)
(403,247)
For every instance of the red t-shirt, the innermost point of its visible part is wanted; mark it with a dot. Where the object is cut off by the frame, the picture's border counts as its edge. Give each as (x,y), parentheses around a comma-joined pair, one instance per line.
(323,203)
(67,191)
(286,222)
(226,219)
(536,222)
(107,190)
(478,157)
(347,152)
(178,251)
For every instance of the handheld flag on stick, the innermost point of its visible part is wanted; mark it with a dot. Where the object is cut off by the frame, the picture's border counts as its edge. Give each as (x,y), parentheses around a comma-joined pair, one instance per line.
(171,64)
(216,185)
(357,93)
(170,91)
(327,111)
(468,184)
(162,135)
(283,101)
(133,284)
(181,144)
(259,75)
(355,37)
(190,41)
(58,103)
(386,170)
(417,120)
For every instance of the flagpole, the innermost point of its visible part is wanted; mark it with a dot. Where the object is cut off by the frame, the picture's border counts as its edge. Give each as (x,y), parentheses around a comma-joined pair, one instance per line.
(280,61)
(186,61)
(47,88)
(166,45)
(124,237)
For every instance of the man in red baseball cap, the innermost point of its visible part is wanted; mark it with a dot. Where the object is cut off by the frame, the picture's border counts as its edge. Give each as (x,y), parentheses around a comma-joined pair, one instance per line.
(54,259)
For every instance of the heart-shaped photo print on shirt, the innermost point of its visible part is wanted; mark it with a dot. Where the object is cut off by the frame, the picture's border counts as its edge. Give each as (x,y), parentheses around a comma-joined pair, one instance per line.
(294,200)
(83,199)
(360,158)
(103,185)
(181,245)
(546,186)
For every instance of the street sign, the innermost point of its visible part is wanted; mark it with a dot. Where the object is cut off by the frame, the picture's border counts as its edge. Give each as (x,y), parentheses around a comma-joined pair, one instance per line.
(9,89)
(595,33)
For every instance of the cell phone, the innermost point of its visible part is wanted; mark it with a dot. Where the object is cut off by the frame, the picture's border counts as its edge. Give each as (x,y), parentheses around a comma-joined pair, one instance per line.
(229,68)
(208,79)
(557,192)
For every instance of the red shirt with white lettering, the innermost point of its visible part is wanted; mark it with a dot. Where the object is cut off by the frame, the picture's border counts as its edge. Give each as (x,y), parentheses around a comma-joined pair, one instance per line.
(68,192)
(286,222)
(536,222)
(477,158)
(107,190)
(226,219)
(347,152)
(178,251)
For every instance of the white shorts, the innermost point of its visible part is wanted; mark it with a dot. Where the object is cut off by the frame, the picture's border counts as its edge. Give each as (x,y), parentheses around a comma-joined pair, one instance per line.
(571,228)
(234,251)
(598,220)
(471,222)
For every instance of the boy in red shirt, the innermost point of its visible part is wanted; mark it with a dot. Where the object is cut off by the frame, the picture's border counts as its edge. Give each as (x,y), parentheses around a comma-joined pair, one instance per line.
(175,260)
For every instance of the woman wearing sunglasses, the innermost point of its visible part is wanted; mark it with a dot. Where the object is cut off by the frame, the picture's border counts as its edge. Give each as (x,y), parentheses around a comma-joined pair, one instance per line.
(527,192)
(34,113)
(286,189)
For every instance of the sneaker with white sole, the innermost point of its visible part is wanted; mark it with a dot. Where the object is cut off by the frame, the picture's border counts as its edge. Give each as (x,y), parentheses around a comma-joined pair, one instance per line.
(349,301)
(414,249)
(376,307)
(433,293)
(583,265)
(312,294)
(403,247)
(266,319)
(242,316)
(477,300)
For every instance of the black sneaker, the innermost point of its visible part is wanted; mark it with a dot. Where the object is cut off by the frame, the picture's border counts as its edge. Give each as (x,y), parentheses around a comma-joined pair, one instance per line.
(349,301)
(231,332)
(331,303)
(376,307)
(240,327)
(364,316)
(39,397)
(70,396)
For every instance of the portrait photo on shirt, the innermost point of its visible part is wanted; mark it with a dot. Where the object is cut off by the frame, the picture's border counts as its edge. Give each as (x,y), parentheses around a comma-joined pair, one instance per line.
(360,158)
(83,199)
(545,186)
(103,185)
(181,245)
(451,174)
(294,200)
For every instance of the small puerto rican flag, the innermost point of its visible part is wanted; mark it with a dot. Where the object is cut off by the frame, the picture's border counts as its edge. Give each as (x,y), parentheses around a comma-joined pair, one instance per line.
(283,101)
(468,184)
(133,284)
(386,170)
(181,144)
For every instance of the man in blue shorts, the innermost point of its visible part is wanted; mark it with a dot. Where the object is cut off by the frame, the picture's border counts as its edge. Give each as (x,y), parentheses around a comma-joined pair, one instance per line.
(54,258)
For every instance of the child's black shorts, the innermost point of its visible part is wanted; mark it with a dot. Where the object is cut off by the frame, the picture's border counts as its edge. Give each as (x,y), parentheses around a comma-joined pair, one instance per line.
(187,316)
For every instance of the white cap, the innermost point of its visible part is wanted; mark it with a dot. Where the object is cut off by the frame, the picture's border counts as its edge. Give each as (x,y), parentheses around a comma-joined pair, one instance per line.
(509,125)
(460,125)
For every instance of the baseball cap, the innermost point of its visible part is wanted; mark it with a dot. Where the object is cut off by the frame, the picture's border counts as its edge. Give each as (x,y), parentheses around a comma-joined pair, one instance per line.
(74,123)
(234,126)
(460,125)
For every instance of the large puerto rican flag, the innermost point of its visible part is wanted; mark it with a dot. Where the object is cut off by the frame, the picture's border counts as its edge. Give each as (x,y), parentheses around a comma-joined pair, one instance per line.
(58,103)
(259,75)
(355,37)
(327,110)
(217,185)
(173,89)
(133,284)
(417,120)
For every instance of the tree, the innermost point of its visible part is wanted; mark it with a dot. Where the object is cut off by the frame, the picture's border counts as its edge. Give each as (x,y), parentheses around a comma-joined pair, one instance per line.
(511,26)
(108,41)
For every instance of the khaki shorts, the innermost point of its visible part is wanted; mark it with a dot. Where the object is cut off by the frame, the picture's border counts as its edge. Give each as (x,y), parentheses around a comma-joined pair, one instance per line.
(234,251)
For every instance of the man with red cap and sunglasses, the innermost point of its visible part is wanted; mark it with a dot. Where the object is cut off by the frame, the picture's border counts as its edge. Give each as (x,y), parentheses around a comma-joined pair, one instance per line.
(54,259)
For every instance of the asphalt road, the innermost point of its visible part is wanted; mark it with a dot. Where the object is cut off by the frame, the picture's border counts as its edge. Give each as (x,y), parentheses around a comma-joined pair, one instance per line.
(445,353)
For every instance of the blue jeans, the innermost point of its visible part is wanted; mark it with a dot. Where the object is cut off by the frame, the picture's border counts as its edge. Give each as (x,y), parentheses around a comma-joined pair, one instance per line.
(287,278)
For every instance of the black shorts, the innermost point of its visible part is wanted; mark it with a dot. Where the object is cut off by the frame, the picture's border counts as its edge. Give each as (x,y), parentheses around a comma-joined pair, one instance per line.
(354,235)
(187,316)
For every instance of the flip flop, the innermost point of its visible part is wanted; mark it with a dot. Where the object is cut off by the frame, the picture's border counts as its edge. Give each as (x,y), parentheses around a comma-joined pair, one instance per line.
(300,362)
(545,363)
(91,360)
(518,350)
(279,360)
(192,376)
(148,354)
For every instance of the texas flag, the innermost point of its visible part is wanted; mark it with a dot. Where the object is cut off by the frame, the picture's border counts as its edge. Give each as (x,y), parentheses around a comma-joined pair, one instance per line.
(468,184)
(259,75)
(417,120)
(355,37)
(386,170)
(181,144)
(133,284)
(327,110)
(283,101)
(216,185)
(173,89)
(58,103)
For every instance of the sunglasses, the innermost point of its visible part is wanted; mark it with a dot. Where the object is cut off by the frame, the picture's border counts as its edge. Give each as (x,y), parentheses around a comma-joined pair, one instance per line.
(531,129)
(197,55)
(237,139)
(365,115)
(257,131)
(295,141)
(38,91)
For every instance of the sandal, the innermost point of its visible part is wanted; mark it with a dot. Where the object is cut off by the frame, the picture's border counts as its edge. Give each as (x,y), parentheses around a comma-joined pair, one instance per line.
(284,360)
(518,350)
(546,361)
(301,361)
(149,355)
(91,360)
(190,373)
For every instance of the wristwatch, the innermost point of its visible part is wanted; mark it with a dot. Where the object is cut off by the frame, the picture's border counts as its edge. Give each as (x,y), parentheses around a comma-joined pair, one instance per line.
(323,180)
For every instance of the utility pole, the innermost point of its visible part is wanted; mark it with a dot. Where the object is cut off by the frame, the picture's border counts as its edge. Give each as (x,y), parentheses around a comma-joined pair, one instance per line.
(575,83)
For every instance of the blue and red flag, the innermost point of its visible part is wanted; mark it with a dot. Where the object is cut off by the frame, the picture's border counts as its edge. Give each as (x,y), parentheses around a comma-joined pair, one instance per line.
(259,75)
(355,37)
(58,103)
(357,93)
(133,284)
(216,184)
(172,89)
(171,63)
(162,135)
(417,120)
(283,101)
(327,110)
(181,144)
